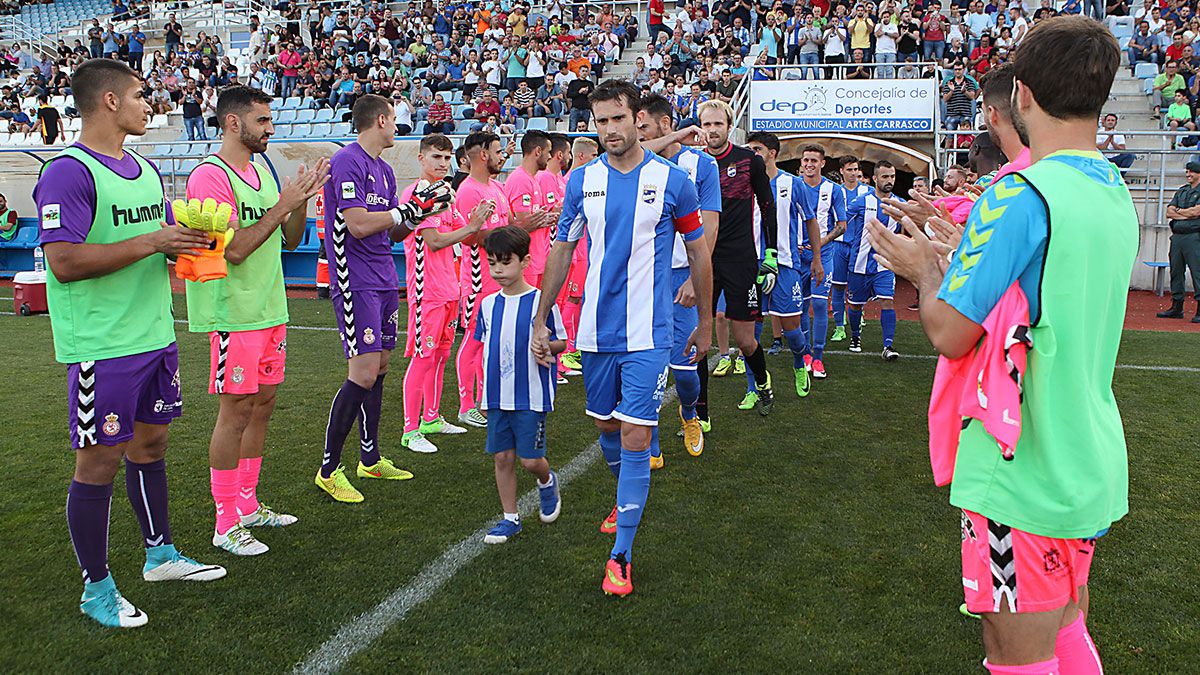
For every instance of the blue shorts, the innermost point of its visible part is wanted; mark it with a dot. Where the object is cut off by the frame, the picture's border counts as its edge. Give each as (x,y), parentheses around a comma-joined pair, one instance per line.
(686,320)
(841,262)
(520,430)
(628,386)
(814,288)
(866,287)
(789,293)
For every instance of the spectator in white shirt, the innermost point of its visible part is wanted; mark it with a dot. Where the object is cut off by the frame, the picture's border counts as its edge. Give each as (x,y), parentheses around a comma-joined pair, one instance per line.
(1112,144)
(886,34)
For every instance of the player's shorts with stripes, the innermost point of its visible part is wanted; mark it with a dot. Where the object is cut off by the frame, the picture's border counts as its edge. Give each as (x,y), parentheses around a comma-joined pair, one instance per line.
(521,430)
(1006,567)
(738,282)
(106,397)
(685,321)
(788,296)
(366,320)
(816,288)
(841,262)
(242,361)
(438,321)
(879,285)
(628,386)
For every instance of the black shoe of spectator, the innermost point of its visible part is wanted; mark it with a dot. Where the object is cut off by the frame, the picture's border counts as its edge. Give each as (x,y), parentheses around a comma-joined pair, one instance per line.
(1174,312)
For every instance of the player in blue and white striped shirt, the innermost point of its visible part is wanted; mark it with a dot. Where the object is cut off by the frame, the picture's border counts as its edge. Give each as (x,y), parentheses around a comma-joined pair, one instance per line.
(828,201)
(629,204)
(852,188)
(868,280)
(797,224)
(518,390)
(654,126)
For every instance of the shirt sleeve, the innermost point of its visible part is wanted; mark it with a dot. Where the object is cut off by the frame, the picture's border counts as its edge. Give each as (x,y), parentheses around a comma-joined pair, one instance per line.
(1175,201)
(686,213)
(518,192)
(349,183)
(764,194)
(993,254)
(571,223)
(554,322)
(210,181)
(838,200)
(708,183)
(481,324)
(800,201)
(65,196)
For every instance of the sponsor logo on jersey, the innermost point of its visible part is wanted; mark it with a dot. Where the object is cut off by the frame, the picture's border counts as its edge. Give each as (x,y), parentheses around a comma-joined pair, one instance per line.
(161,406)
(376,200)
(593,193)
(137,214)
(248,215)
(112,424)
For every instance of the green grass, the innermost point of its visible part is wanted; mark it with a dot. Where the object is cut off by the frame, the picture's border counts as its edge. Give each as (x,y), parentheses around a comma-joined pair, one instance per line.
(813,541)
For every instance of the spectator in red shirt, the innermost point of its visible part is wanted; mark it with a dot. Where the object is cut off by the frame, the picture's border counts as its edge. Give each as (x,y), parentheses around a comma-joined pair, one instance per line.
(289,60)
(934,25)
(657,10)
(440,119)
(1175,50)
(486,105)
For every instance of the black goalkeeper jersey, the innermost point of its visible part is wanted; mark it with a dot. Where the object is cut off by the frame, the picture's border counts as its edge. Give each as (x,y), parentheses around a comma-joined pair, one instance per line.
(744,180)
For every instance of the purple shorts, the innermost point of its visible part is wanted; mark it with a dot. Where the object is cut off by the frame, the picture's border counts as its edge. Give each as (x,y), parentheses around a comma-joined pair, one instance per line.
(106,397)
(367,320)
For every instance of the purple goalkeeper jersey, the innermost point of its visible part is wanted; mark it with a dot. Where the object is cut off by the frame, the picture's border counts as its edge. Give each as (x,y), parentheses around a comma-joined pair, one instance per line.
(356,180)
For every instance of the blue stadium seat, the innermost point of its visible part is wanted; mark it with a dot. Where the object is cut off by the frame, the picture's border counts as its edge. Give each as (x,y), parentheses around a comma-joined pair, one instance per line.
(307,102)
(302,130)
(342,130)
(283,131)
(324,115)
(322,130)
(463,126)
(291,103)
(1145,70)
(306,115)
(538,123)
(286,116)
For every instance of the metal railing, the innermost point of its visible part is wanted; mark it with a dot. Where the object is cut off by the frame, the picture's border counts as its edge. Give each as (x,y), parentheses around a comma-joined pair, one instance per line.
(14,29)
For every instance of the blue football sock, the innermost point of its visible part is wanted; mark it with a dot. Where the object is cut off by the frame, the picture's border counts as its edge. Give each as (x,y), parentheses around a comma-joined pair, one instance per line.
(820,326)
(887,321)
(839,306)
(633,487)
(805,322)
(798,344)
(655,448)
(855,322)
(687,383)
(610,445)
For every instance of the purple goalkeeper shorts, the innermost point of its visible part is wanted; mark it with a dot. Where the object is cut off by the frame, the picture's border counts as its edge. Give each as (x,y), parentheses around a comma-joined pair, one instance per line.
(106,397)
(366,320)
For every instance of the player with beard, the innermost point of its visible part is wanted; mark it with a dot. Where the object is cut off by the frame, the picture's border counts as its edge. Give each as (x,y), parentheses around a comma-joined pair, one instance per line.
(867,280)
(852,187)
(629,204)
(738,275)
(528,201)
(245,313)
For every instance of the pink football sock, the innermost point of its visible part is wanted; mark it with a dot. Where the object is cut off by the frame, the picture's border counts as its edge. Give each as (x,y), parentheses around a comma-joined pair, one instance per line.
(420,372)
(1075,650)
(570,316)
(1041,668)
(224,492)
(468,364)
(248,470)
(433,394)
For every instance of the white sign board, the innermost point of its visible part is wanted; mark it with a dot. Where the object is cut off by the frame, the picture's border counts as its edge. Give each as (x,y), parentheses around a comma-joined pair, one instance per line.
(860,106)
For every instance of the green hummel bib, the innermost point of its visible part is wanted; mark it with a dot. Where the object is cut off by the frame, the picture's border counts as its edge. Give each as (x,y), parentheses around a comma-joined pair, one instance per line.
(252,296)
(127,311)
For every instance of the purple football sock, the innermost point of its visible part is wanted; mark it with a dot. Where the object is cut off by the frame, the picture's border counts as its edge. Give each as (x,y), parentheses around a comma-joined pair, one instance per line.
(345,409)
(368,423)
(87,520)
(146,485)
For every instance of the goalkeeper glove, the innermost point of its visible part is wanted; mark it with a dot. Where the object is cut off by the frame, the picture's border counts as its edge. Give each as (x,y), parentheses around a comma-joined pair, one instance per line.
(206,216)
(426,200)
(768,271)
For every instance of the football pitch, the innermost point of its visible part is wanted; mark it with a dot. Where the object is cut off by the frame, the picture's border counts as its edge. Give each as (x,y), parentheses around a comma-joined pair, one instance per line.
(813,540)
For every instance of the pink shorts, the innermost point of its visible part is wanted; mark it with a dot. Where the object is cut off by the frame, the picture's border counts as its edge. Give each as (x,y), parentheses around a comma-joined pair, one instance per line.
(1004,566)
(438,321)
(242,361)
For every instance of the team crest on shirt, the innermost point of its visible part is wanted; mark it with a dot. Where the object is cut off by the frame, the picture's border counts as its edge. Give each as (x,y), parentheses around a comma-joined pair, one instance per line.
(731,171)
(112,424)
(507,363)
(238,374)
(368,336)
(348,190)
(649,193)
(783,193)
